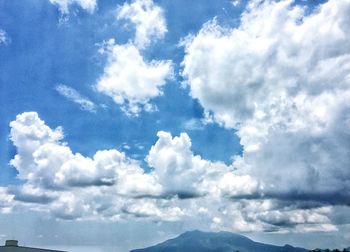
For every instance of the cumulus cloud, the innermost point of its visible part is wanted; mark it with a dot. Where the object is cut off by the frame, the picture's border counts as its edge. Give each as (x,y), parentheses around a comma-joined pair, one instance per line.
(187,175)
(181,186)
(131,80)
(148,19)
(76,97)
(63,5)
(281,79)
(128,78)
(109,183)
(56,175)
(43,159)
(68,185)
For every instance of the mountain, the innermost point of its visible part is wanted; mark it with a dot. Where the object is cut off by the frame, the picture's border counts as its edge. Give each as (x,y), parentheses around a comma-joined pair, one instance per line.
(197,241)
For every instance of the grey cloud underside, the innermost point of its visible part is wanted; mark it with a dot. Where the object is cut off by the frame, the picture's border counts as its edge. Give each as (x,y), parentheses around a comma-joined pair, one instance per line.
(310,199)
(33,199)
(181,195)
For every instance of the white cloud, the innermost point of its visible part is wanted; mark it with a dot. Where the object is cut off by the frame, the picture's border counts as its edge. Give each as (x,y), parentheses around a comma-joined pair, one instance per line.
(148,19)
(111,186)
(187,175)
(151,208)
(6,201)
(60,178)
(281,79)
(74,96)
(4,39)
(130,80)
(42,159)
(88,5)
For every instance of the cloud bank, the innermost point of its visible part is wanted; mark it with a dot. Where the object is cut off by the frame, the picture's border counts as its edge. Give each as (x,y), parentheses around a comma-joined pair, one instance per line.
(110,186)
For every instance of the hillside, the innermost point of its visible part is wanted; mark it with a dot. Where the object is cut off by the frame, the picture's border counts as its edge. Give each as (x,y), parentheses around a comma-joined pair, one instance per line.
(197,241)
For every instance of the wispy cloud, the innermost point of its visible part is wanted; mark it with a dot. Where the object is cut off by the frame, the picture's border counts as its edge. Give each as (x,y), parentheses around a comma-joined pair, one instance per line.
(74,96)
(193,124)
(3,37)
(63,5)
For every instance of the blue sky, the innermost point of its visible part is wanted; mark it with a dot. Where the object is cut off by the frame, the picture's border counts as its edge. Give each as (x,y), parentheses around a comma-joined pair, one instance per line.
(71,59)
(175,115)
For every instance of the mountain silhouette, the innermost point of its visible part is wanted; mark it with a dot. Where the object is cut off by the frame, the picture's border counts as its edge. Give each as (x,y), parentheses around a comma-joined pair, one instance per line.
(198,241)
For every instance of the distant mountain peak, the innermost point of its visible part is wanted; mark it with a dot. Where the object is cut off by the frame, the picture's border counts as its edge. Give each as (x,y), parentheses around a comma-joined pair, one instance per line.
(200,241)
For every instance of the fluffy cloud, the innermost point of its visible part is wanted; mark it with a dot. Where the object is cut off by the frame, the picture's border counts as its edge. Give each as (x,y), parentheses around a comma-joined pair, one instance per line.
(130,80)
(44,160)
(187,175)
(109,183)
(68,185)
(148,19)
(281,79)
(74,96)
(88,5)
(181,186)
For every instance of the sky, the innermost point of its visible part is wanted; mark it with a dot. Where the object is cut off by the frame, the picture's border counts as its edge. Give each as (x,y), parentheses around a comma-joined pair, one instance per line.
(125,123)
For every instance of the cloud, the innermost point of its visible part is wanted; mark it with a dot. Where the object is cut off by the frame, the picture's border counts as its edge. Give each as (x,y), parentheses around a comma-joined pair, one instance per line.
(6,201)
(56,176)
(74,96)
(193,124)
(281,80)
(130,80)
(30,194)
(270,216)
(235,3)
(181,186)
(109,183)
(88,5)
(44,160)
(148,19)
(187,175)
(147,208)
(4,39)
